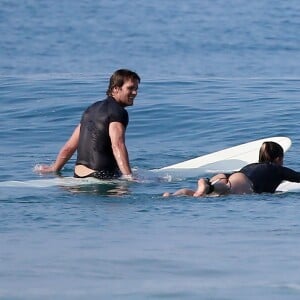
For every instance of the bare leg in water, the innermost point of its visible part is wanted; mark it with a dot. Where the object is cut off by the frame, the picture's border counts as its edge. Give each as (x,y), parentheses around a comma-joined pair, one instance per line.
(181,192)
(219,183)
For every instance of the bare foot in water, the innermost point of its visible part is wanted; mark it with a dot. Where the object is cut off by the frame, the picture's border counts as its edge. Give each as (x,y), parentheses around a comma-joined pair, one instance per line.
(166,194)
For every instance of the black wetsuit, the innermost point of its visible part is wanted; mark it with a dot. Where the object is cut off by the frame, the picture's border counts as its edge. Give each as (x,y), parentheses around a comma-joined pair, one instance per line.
(94,149)
(266,177)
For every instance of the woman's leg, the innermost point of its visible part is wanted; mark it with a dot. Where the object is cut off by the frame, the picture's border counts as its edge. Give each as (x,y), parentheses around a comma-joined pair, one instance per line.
(218,184)
(181,192)
(203,188)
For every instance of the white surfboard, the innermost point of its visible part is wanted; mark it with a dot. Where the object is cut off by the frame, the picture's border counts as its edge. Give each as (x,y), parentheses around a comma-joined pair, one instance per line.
(227,160)
(58,181)
(287,186)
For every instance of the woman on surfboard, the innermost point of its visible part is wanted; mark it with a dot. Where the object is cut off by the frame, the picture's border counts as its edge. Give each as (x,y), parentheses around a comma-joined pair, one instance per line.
(262,177)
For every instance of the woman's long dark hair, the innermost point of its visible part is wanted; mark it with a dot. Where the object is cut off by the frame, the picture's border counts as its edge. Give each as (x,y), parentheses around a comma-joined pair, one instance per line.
(269,151)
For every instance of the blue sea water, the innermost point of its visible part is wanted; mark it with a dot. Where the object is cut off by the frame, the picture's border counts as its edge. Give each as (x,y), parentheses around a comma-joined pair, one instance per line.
(214,74)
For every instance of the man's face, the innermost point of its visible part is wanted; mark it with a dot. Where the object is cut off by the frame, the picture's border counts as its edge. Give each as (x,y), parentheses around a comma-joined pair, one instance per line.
(126,93)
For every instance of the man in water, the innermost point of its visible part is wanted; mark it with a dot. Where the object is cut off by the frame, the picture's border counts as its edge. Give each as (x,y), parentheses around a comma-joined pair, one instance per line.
(100,137)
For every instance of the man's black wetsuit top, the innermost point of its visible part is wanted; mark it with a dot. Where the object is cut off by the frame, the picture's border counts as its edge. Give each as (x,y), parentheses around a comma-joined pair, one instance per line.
(94,148)
(266,177)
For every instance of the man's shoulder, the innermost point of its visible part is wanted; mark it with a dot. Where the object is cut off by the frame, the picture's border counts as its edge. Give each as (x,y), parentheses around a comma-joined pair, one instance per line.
(97,103)
(108,105)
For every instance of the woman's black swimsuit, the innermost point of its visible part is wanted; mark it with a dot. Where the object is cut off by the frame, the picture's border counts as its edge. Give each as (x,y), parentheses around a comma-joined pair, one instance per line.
(266,177)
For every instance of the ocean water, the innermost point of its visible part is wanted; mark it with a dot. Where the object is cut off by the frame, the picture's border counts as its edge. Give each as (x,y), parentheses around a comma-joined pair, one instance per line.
(215,74)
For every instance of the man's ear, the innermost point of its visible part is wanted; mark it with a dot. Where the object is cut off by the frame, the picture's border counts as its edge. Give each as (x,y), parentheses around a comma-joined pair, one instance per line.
(116,89)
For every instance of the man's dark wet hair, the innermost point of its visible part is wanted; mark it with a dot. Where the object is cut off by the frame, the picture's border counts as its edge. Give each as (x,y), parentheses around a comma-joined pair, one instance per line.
(119,77)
